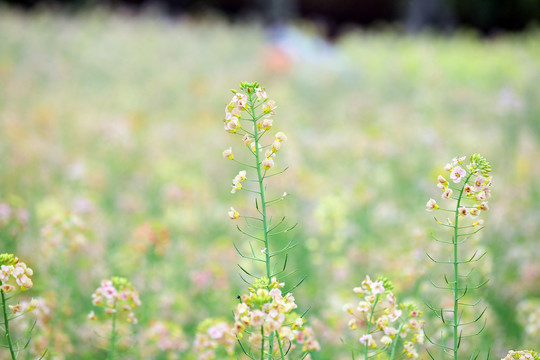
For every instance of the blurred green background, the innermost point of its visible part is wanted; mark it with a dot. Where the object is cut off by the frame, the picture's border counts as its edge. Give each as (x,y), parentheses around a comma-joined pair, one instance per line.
(110,148)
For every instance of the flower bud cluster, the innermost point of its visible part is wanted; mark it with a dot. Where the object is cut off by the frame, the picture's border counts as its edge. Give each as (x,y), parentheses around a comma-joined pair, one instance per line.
(13,273)
(116,294)
(384,319)
(475,186)
(213,334)
(266,310)
(522,355)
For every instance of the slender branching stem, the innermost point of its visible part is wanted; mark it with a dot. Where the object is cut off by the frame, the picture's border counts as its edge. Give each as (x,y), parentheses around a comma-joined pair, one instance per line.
(456,262)
(6,327)
(396,340)
(369,325)
(113,335)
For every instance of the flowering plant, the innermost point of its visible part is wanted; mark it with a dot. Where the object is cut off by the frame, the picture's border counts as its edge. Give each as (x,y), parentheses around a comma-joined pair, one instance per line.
(14,275)
(384,320)
(114,295)
(265,314)
(469,189)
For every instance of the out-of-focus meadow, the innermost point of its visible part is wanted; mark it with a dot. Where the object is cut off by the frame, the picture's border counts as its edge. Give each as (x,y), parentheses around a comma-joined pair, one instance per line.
(111,138)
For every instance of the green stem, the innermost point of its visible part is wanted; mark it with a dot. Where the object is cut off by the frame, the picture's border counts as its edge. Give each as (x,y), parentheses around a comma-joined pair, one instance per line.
(455,324)
(369,325)
(394,345)
(6,325)
(262,342)
(280,347)
(113,335)
(260,178)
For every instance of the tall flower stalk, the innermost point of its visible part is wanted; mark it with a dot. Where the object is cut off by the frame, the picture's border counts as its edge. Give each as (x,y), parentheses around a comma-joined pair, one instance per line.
(469,189)
(118,299)
(265,312)
(14,276)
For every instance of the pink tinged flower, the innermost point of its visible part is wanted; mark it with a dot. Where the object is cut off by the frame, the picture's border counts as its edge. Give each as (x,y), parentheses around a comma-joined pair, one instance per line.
(457,174)
(463,211)
(276,146)
(247,140)
(7,288)
(474,212)
(390,331)
(358,291)
(110,311)
(377,287)
(447,194)
(467,189)
(268,163)
(363,306)
(5,272)
(481,196)
(281,137)
(92,316)
(267,123)
(228,154)
(395,315)
(365,338)
(215,332)
(109,292)
(479,183)
(367,282)
(233,214)
(261,94)
(458,160)
(16,309)
(257,317)
(269,107)
(431,205)
(414,313)
(442,180)
(448,167)
(483,206)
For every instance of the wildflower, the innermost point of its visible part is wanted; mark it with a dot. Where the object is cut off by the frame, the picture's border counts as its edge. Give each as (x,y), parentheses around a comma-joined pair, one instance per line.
(447,194)
(228,154)
(442,180)
(281,137)
(386,340)
(267,123)
(116,293)
(270,107)
(431,205)
(483,206)
(16,309)
(368,339)
(261,94)
(377,287)
(92,315)
(247,140)
(276,146)
(463,211)
(458,160)
(233,214)
(448,167)
(457,173)
(268,163)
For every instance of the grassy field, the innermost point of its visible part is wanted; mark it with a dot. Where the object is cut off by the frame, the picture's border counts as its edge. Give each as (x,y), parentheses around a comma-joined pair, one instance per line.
(110,148)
